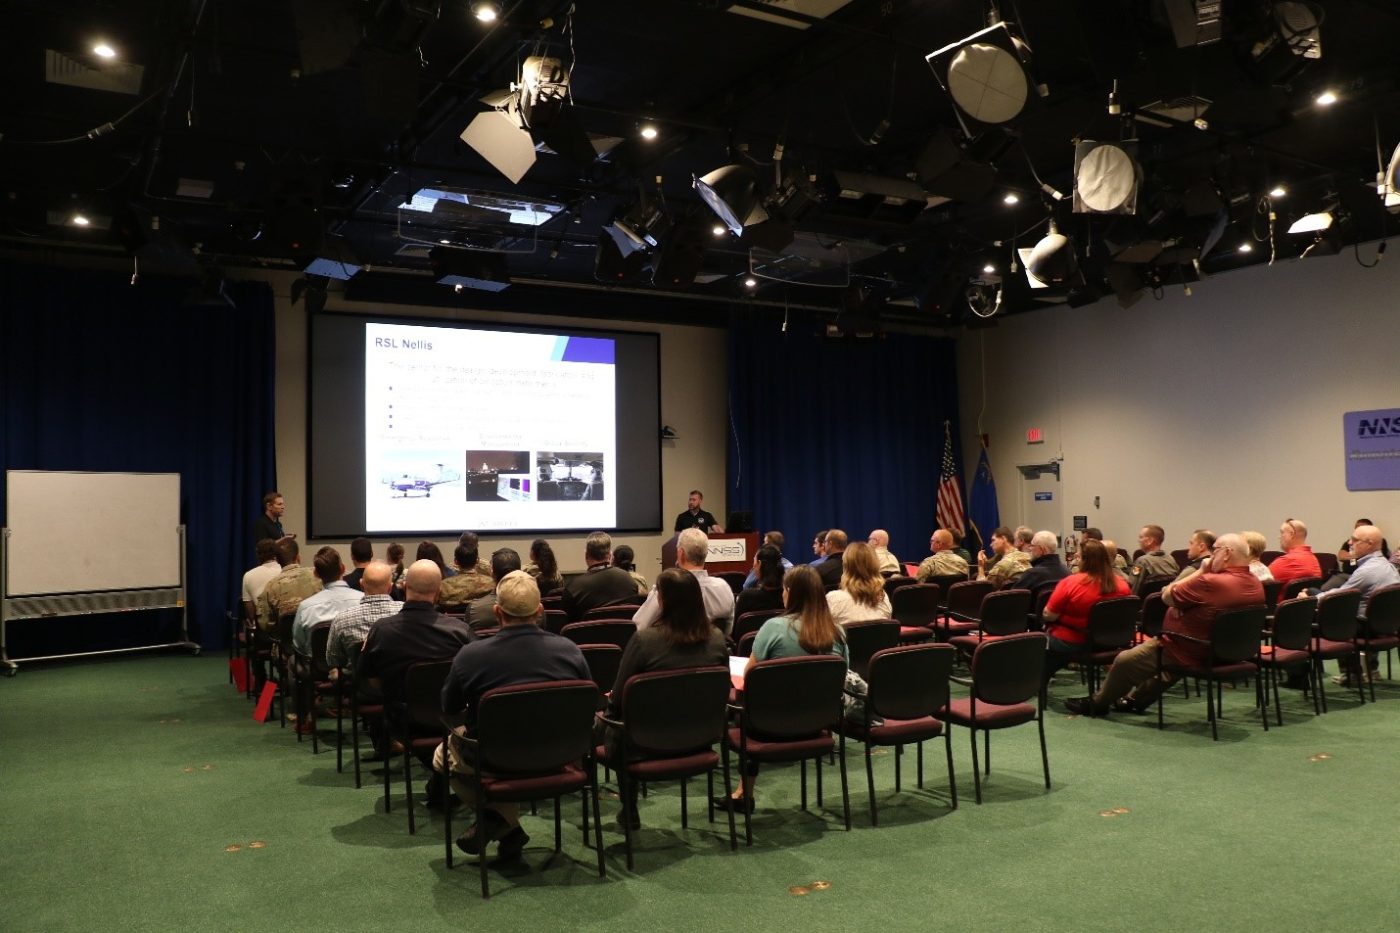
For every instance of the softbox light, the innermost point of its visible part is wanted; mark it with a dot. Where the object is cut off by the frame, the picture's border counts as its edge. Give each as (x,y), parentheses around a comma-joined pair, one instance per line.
(987,75)
(731,191)
(1106,178)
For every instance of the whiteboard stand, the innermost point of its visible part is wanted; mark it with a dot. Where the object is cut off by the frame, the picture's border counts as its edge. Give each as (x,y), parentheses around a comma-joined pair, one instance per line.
(17,608)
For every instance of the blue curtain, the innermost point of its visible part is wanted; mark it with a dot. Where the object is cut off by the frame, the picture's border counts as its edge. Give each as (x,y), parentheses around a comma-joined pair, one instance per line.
(105,376)
(832,433)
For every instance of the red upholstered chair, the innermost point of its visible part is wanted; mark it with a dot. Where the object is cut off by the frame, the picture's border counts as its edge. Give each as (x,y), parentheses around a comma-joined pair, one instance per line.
(318,685)
(1290,645)
(1336,633)
(415,723)
(1328,562)
(962,611)
(863,639)
(671,722)
(555,620)
(908,686)
(1006,678)
(1154,613)
(787,711)
(748,624)
(915,607)
(1380,626)
(1232,647)
(603,663)
(1003,612)
(895,582)
(610,632)
(1293,588)
(1180,556)
(1154,584)
(610,612)
(1112,628)
(531,742)
(1272,590)
(1268,557)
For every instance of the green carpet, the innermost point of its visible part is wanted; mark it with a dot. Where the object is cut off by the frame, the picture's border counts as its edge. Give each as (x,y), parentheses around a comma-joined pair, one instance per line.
(124,782)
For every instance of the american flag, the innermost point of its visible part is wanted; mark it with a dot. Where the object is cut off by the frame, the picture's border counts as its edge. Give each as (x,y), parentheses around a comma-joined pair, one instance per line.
(950,503)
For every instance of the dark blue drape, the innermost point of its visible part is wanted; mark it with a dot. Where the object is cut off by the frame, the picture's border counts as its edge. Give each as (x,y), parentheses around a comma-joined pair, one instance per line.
(832,433)
(105,376)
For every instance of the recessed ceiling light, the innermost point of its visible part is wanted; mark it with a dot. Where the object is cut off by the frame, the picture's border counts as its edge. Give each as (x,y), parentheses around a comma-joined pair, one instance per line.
(1011,198)
(103,50)
(486,12)
(989,268)
(718,230)
(445,242)
(750,282)
(80,221)
(1326,99)
(1278,191)
(1246,248)
(648,131)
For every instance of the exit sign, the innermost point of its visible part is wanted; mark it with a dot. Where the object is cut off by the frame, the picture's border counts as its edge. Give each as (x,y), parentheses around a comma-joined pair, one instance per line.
(1034,436)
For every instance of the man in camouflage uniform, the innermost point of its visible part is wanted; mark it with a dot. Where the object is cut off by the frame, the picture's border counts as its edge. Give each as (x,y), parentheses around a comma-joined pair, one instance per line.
(285,591)
(470,581)
(1006,563)
(943,562)
(1153,561)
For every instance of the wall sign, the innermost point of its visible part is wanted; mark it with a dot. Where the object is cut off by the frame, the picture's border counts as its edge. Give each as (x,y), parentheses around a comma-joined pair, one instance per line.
(1044,496)
(1371,442)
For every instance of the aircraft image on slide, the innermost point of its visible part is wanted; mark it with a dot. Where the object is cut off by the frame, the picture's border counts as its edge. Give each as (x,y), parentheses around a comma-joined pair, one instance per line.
(421,481)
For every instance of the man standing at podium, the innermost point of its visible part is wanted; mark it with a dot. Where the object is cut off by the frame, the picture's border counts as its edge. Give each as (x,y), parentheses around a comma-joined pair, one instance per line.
(697,517)
(269,523)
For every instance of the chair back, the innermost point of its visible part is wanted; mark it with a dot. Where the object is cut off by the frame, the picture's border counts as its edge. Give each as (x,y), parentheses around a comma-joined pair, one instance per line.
(911,681)
(282,632)
(607,632)
(916,603)
(1154,613)
(744,646)
(603,663)
(1293,622)
(793,698)
(320,637)
(1382,613)
(1336,615)
(536,727)
(1009,670)
(1036,620)
(1293,587)
(1113,621)
(965,598)
(1004,611)
(422,694)
(553,600)
(752,622)
(609,613)
(864,639)
(1268,557)
(671,713)
(1327,561)
(895,582)
(1272,590)
(1182,557)
(945,582)
(1123,553)
(555,620)
(734,578)
(1235,634)
(1154,584)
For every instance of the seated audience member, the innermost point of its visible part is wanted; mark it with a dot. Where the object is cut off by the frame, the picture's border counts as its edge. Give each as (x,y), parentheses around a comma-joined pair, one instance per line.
(944,562)
(352,624)
(1344,555)
(472,541)
(862,593)
(768,593)
(1120,564)
(1066,615)
(256,580)
(427,550)
(520,653)
(1372,572)
(394,554)
(1153,561)
(1193,603)
(361,553)
(479,611)
(324,606)
(818,549)
(692,546)
(625,559)
(807,628)
(469,583)
(830,569)
(417,632)
(1006,562)
(1046,566)
(285,591)
(601,583)
(1024,535)
(1257,545)
(879,542)
(682,636)
(544,567)
(1298,561)
(778,541)
(1197,551)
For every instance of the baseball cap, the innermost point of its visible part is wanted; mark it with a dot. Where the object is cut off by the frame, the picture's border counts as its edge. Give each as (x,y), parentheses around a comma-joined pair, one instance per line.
(518,594)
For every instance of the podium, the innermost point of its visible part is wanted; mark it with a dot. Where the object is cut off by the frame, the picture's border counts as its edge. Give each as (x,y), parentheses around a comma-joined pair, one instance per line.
(728,552)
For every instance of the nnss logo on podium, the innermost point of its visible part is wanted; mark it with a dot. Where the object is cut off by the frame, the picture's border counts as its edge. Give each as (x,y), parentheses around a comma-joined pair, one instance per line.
(1378,427)
(728,550)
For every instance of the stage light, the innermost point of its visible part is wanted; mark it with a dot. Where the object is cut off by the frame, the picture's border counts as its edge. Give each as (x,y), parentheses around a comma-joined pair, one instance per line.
(750,282)
(1326,99)
(1106,178)
(731,191)
(989,269)
(103,50)
(1011,198)
(640,226)
(1312,223)
(1246,248)
(80,221)
(485,11)
(1278,191)
(1051,262)
(986,75)
(718,230)
(648,131)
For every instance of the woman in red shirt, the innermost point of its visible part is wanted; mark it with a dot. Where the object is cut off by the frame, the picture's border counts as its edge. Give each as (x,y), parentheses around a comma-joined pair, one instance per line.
(1066,615)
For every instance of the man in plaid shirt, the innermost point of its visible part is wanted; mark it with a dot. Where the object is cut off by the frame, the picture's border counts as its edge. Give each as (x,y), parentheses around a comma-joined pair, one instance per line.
(349,628)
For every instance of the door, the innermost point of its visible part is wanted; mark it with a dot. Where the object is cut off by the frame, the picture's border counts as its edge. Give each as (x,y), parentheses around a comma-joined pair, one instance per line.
(1040,504)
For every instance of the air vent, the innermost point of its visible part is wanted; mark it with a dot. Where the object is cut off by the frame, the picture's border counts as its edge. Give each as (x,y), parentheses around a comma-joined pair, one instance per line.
(118,77)
(781,11)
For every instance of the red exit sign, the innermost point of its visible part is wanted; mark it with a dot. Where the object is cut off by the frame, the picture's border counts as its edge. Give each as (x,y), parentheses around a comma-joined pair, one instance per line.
(1034,436)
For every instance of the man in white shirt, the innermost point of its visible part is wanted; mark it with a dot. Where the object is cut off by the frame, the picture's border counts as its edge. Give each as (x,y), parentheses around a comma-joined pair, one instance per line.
(335,595)
(256,580)
(880,540)
(691,550)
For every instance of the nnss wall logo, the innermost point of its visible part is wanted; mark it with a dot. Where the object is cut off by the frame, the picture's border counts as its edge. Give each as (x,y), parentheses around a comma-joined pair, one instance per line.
(1378,427)
(1371,441)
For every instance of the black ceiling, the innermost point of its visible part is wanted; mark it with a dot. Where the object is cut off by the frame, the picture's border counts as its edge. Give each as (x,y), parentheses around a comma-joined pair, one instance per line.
(258,125)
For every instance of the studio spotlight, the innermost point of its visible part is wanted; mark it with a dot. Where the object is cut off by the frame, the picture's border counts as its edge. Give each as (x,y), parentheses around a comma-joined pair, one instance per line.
(80,220)
(1278,191)
(750,282)
(731,191)
(640,226)
(485,11)
(648,131)
(1051,263)
(1106,178)
(104,51)
(1326,99)
(1011,197)
(1312,223)
(719,230)
(1291,38)
(989,269)
(528,114)
(987,75)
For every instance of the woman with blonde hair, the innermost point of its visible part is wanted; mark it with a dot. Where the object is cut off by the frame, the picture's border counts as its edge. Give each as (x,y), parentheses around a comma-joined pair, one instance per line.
(862,593)
(1257,545)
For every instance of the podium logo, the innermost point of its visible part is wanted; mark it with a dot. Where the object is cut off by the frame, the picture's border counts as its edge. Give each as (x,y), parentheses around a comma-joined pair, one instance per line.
(1378,427)
(724,551)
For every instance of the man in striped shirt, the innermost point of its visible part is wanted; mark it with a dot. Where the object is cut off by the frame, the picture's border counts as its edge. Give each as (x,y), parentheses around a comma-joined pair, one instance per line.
(350,626)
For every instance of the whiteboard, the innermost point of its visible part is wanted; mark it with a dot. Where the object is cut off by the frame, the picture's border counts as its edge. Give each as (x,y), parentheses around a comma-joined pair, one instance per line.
(90,532)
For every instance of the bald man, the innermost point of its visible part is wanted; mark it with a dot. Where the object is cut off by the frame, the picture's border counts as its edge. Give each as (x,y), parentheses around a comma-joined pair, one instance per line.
(1372,572)
(880,540)
(350,627)
(943,562)
(417,632)
(1298,561)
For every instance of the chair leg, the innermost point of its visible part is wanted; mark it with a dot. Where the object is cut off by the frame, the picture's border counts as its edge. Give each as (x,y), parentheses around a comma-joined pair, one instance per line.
(987,750)
(1273,682)
(1361,677)
(952,779)
(919,746)
(389,739)
(623,783)
(898,754)
(598,817)
(1044,752)
(728,790)
(1261,697)
(685,817)
(355,740)
(339,731)
(819,780)
(804,783)
(845,790)
(870,785)
(976,768)
(408,782)
(481,827)
(1321,677)
(748,792)
(1210,710)
(710,793)
(558,828)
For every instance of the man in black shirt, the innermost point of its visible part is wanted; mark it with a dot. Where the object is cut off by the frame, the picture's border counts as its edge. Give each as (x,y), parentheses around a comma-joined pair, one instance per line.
(1047,568)
(602,584)
(361,553)
(418,632)
(830,569)
(695,516)
(269,523)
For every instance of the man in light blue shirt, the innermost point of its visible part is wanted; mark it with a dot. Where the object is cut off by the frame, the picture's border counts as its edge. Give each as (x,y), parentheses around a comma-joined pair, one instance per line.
(776,539)
(1372,572)
(324,606)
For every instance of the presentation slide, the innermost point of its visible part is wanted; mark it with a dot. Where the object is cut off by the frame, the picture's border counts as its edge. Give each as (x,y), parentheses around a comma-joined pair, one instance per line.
(540,461)
(432,428)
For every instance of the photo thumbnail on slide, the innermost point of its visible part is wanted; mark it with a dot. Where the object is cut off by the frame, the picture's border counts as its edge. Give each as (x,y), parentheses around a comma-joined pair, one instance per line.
(498,410)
